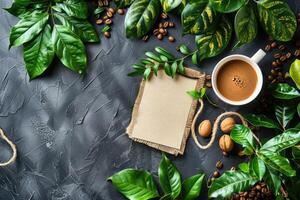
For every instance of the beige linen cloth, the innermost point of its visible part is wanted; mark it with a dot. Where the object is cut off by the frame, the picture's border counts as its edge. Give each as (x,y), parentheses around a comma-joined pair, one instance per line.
(163,111)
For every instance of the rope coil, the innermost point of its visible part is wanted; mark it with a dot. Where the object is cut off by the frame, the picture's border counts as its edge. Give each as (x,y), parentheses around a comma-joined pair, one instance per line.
(215,125)
(13,147)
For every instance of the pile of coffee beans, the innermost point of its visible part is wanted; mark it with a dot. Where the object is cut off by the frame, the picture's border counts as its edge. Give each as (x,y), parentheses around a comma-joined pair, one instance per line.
(260,191)
(161,30)
(106,16)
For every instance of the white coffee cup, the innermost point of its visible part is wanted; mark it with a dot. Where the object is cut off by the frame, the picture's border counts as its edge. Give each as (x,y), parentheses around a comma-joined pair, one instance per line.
(260,54)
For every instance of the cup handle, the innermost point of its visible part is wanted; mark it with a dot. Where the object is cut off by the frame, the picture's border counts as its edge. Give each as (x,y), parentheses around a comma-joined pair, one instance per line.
(258,56)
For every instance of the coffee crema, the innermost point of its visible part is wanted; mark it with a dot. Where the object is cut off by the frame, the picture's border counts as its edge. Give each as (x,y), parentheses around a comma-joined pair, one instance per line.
(236,80)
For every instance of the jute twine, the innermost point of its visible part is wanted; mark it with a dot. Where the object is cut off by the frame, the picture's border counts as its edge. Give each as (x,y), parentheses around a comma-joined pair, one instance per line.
(215,125)
(13,147)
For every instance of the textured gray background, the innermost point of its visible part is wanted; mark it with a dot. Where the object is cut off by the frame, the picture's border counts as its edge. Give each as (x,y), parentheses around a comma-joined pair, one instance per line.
(70,131)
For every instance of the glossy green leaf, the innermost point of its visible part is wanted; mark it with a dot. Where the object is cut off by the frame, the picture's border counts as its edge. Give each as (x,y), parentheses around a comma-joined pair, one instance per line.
(99,10)
(257,168)
(184,49)
(168,69)
(198,17)
(169,177)
(287,139)
(147,73)
(165,52)
(82,28)
(169,5)
(244,167)
(123,3)
(245,24)
(155,68)
(69,48)
(295,72)
(231,182)
(284,114)
(135,184)
(174,67)
(261,121)
(211,45)
(277,19)
(27,29)
(276,162)
(284,91)
(196,95)
(16,10)
(153,56)
(227,6)
(243,136)
(191,187)
(272,180)
(39,53)
(74,8)
(181,68)
(141,17)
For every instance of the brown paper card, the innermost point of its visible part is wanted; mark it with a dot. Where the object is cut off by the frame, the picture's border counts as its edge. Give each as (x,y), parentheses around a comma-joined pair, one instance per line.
(163,112)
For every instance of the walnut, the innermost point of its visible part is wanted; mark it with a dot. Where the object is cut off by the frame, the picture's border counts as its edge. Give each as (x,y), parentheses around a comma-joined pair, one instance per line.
(227,124)
(226,143)
(205,128)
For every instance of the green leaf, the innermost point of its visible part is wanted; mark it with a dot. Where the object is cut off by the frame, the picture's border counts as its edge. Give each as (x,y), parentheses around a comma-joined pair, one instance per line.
(166,197)
(211,45)
(74,8)
(147,73)
(284,91)
(191,187)
(227,6)
(198,17)
(295,72)
(261,121)
(123,3)
(155,68)
(181,68)
(69,48)
(272,180)
(174,67)
(184,49)
(39,53)
(16,10)
(105,28)
(277,19)
(284,114)
(135,184)
(169,5)
(99,10)
(257,168)
(287,139)
(165,52)
(244,167)
(276,162)
(298,109)
(81,27)
(152,56)
(243,136)
(167,69)
(27,29)
(169,177)
(231,182)
(141,17)
(196,95)
(245,24)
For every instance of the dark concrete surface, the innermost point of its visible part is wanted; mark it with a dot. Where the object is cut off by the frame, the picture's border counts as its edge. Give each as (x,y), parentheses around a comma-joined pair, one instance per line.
(70,131)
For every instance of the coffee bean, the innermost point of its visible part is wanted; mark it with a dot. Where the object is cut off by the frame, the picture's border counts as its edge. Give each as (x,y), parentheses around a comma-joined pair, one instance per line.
(171,24)
(145,38)
(257,187)
(108,21)
(164,15)
(208,84)
(160,25)
(297,53)
(159,36)
(111,10)
(283,58)
(274,64)
(109,14)
(274,81)
(268,48)
(208,77)
(216,174)
(105,2)
(161,30)
(165,24)
(281,47)
(107,34)
(288,55)
(279,63)
(104,17)
(165,32)
(232,168)
(274,45)
(155,32)
(219,165)
(273,72)
(99,21)
(120,11)
(277,55)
